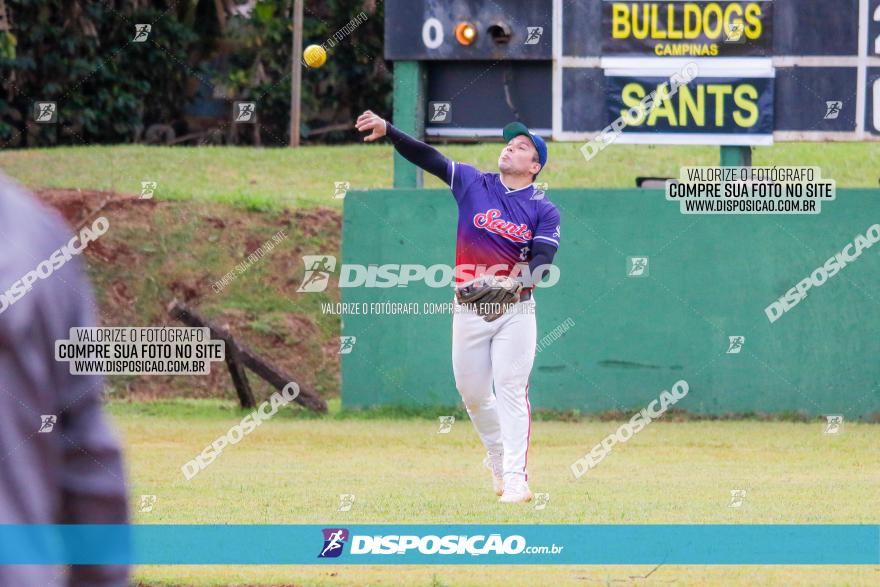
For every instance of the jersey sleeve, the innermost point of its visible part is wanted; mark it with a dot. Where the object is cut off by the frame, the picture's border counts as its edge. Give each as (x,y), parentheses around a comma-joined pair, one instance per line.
(548,227)
(461,176)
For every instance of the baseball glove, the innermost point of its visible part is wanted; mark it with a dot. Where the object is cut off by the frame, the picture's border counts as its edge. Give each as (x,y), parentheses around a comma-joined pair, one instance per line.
(489,296)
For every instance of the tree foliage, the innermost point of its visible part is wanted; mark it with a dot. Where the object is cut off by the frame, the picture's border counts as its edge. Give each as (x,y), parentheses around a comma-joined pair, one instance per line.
(109,89)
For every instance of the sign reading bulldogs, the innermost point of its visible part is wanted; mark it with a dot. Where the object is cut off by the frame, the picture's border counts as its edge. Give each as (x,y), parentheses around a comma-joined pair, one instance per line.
(687,29)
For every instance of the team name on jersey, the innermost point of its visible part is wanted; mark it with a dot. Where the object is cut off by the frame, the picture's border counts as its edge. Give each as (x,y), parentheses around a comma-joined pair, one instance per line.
(491,221)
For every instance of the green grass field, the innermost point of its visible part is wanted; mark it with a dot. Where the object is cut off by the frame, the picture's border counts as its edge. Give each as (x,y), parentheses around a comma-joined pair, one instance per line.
(306,176)
(292,470)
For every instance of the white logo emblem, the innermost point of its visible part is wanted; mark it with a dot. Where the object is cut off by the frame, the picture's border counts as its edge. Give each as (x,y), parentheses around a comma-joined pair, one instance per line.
(47,423)
(636,266)
(245,112)
(318,270)
(346,344)
(147,503)
(141,32)
(737,496)
(736,344)
(833,424)
(441,112)
(346,500)
(446,423)
(534,35)
(45,112)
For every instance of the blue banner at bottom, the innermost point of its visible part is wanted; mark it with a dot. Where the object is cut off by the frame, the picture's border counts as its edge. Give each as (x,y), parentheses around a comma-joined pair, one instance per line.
(442,544)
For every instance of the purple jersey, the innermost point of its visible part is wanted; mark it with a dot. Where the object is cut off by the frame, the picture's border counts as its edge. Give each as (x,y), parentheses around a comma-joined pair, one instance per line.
(497,226)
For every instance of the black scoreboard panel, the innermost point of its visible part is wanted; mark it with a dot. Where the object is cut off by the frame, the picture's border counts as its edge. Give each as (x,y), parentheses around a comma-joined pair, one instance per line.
(823,58)
(425,30)
(816,27)
(480,102)
(802,95)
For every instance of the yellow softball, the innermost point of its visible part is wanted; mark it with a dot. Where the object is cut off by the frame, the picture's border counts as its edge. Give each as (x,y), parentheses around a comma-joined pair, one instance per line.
(315,56)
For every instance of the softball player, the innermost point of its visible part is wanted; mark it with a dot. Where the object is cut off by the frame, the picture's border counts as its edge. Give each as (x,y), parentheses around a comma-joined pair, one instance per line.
(503,221)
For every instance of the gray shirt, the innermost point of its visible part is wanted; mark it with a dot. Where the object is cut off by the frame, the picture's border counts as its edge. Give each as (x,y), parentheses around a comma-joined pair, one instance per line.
(72,474)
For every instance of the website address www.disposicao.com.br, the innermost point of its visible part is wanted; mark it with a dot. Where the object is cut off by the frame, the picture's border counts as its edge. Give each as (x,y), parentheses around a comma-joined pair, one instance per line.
(336,539)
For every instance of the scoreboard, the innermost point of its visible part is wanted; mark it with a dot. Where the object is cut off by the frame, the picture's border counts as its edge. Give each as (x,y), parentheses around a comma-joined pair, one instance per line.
(805,70)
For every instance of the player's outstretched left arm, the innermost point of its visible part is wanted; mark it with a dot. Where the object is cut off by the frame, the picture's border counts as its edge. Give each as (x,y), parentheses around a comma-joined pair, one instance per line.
(413,150)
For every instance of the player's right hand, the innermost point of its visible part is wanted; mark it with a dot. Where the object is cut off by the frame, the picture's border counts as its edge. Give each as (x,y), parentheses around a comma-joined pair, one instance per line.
(370,122)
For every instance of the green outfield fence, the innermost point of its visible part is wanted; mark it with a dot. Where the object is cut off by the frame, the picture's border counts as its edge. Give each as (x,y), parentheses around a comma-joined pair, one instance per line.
(709,277)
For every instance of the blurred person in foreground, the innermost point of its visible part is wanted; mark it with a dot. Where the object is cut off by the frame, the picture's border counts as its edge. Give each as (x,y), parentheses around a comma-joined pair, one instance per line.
(59,461)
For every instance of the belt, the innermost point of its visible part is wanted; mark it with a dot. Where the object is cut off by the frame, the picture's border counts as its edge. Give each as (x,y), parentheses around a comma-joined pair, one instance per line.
(523,297)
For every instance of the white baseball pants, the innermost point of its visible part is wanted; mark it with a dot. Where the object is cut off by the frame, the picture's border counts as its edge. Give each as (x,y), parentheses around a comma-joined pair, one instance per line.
(500,353)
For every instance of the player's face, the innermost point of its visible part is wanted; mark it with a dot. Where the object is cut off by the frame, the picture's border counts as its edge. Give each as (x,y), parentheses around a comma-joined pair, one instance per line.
(519,157)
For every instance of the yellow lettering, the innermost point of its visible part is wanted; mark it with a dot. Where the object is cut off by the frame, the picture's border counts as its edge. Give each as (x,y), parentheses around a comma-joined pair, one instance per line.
(673,34)
(753,14)
(655,28)
(619,21)
(631,96)
(744,97)
(712,33)
(691,21)
(731,8)
(662,107)
(687,105)
(719,91)
(640,34)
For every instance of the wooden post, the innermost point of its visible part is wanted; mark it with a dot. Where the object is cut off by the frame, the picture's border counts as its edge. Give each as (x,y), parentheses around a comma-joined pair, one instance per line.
(296,73)
(274,376)
(239,376)
(736,156)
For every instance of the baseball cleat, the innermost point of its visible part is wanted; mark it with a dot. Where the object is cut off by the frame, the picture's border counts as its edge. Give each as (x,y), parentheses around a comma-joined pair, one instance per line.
(495,464)
(517,494)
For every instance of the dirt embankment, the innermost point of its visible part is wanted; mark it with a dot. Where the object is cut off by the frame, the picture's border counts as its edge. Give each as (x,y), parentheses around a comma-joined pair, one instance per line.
(156,251)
